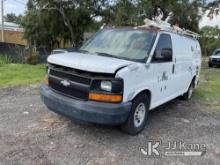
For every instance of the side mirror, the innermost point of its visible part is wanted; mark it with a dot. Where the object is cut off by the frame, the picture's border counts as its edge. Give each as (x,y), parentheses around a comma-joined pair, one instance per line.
(164,55)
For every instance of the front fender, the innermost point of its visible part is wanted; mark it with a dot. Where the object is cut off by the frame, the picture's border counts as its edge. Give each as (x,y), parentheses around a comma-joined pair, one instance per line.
(137,78)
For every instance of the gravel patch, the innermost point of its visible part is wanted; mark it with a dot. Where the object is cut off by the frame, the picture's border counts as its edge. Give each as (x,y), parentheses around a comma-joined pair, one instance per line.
(31,134)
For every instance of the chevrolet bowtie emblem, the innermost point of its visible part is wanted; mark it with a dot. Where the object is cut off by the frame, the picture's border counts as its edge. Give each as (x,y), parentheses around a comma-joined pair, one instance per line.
(65,83)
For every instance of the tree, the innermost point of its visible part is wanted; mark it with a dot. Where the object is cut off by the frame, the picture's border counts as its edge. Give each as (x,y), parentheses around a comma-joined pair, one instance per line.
(213,7)
(210,39)
(125,13)
(13,18)
(59,20)
(50,22)
(185,13)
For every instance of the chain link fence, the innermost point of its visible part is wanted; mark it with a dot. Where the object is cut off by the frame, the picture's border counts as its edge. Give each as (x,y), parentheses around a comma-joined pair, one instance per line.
(16,53)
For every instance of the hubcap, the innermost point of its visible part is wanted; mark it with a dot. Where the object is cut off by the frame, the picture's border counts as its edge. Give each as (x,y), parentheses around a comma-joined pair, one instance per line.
(139,114)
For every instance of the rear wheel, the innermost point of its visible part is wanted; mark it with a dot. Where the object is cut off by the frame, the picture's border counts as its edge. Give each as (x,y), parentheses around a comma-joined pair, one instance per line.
(210,65)
(188,94)
(138,115)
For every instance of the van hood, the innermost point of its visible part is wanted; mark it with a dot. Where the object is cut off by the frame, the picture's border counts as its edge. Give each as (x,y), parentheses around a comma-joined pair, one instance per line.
(88,62)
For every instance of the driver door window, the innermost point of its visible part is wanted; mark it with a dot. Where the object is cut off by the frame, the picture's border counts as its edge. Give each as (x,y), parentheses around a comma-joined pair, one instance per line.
(163,51)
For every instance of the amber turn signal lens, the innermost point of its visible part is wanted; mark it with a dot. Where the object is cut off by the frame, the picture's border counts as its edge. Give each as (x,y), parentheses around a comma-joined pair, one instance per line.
(105,98)
(46,81)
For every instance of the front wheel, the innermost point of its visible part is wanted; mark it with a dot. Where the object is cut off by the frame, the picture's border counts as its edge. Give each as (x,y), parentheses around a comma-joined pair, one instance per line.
(138,115)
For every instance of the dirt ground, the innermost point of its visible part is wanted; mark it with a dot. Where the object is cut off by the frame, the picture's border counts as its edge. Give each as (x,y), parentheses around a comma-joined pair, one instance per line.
(30,134)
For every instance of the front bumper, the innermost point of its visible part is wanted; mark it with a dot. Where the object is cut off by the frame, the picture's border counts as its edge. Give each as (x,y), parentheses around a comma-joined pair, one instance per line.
(86,111)
(214,62)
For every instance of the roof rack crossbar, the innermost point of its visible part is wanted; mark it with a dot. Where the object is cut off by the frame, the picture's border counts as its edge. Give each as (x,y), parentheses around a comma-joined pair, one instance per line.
(162,25)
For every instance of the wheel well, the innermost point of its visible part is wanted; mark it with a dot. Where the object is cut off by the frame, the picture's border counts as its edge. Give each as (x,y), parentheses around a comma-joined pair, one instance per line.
(193,81)
(147,92)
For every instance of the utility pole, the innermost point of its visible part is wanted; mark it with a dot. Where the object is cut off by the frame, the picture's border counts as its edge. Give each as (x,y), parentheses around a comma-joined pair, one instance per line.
(2,17)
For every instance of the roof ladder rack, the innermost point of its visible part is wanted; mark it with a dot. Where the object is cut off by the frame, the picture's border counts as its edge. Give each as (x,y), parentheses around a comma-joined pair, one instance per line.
(162,25)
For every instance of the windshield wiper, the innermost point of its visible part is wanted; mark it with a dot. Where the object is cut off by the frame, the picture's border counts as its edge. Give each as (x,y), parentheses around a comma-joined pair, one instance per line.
(123,58)
(82,51)
(105,54)
(110,55)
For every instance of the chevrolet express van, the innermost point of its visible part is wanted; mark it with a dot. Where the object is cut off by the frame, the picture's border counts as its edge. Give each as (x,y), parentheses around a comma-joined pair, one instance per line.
(120,74)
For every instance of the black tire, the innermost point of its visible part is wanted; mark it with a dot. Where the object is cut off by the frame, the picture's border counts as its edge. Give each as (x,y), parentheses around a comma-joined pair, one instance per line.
(130,127)
(188,94)
(210,65)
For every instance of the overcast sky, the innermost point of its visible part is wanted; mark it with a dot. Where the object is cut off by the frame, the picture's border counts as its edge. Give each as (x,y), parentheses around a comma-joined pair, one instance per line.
(18,7)
(15,6)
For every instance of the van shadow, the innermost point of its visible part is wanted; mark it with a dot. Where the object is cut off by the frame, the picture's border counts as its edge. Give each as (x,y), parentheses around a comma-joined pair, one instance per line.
(161,117)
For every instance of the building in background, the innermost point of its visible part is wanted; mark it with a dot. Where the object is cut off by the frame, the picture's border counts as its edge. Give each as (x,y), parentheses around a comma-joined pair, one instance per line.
(13,34)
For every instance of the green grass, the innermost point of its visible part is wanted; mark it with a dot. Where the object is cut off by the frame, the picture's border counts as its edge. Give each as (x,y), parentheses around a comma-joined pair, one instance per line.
(4,59)
(21,74)
(209,87)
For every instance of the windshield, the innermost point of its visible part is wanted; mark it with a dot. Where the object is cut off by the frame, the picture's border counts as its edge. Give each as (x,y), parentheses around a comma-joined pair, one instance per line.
(121,43)
(217,53)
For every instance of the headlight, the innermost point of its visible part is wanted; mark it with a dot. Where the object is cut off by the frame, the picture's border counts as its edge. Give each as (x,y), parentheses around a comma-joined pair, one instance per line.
(106,86)
(107,90)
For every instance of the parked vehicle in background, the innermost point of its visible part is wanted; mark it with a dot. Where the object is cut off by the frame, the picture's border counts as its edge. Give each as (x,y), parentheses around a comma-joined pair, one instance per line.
(214,59)
(120,74)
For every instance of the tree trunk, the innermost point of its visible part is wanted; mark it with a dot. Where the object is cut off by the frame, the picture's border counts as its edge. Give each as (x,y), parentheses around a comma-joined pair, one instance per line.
(68,24)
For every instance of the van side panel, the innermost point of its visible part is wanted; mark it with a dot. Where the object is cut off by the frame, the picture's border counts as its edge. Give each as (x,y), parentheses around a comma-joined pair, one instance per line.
(183,59)
(184,49)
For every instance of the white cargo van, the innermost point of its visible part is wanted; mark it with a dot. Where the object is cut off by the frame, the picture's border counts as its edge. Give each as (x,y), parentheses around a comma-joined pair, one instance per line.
(120,74)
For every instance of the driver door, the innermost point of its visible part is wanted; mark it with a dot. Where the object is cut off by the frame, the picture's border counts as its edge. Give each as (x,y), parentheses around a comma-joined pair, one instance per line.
(163,70)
